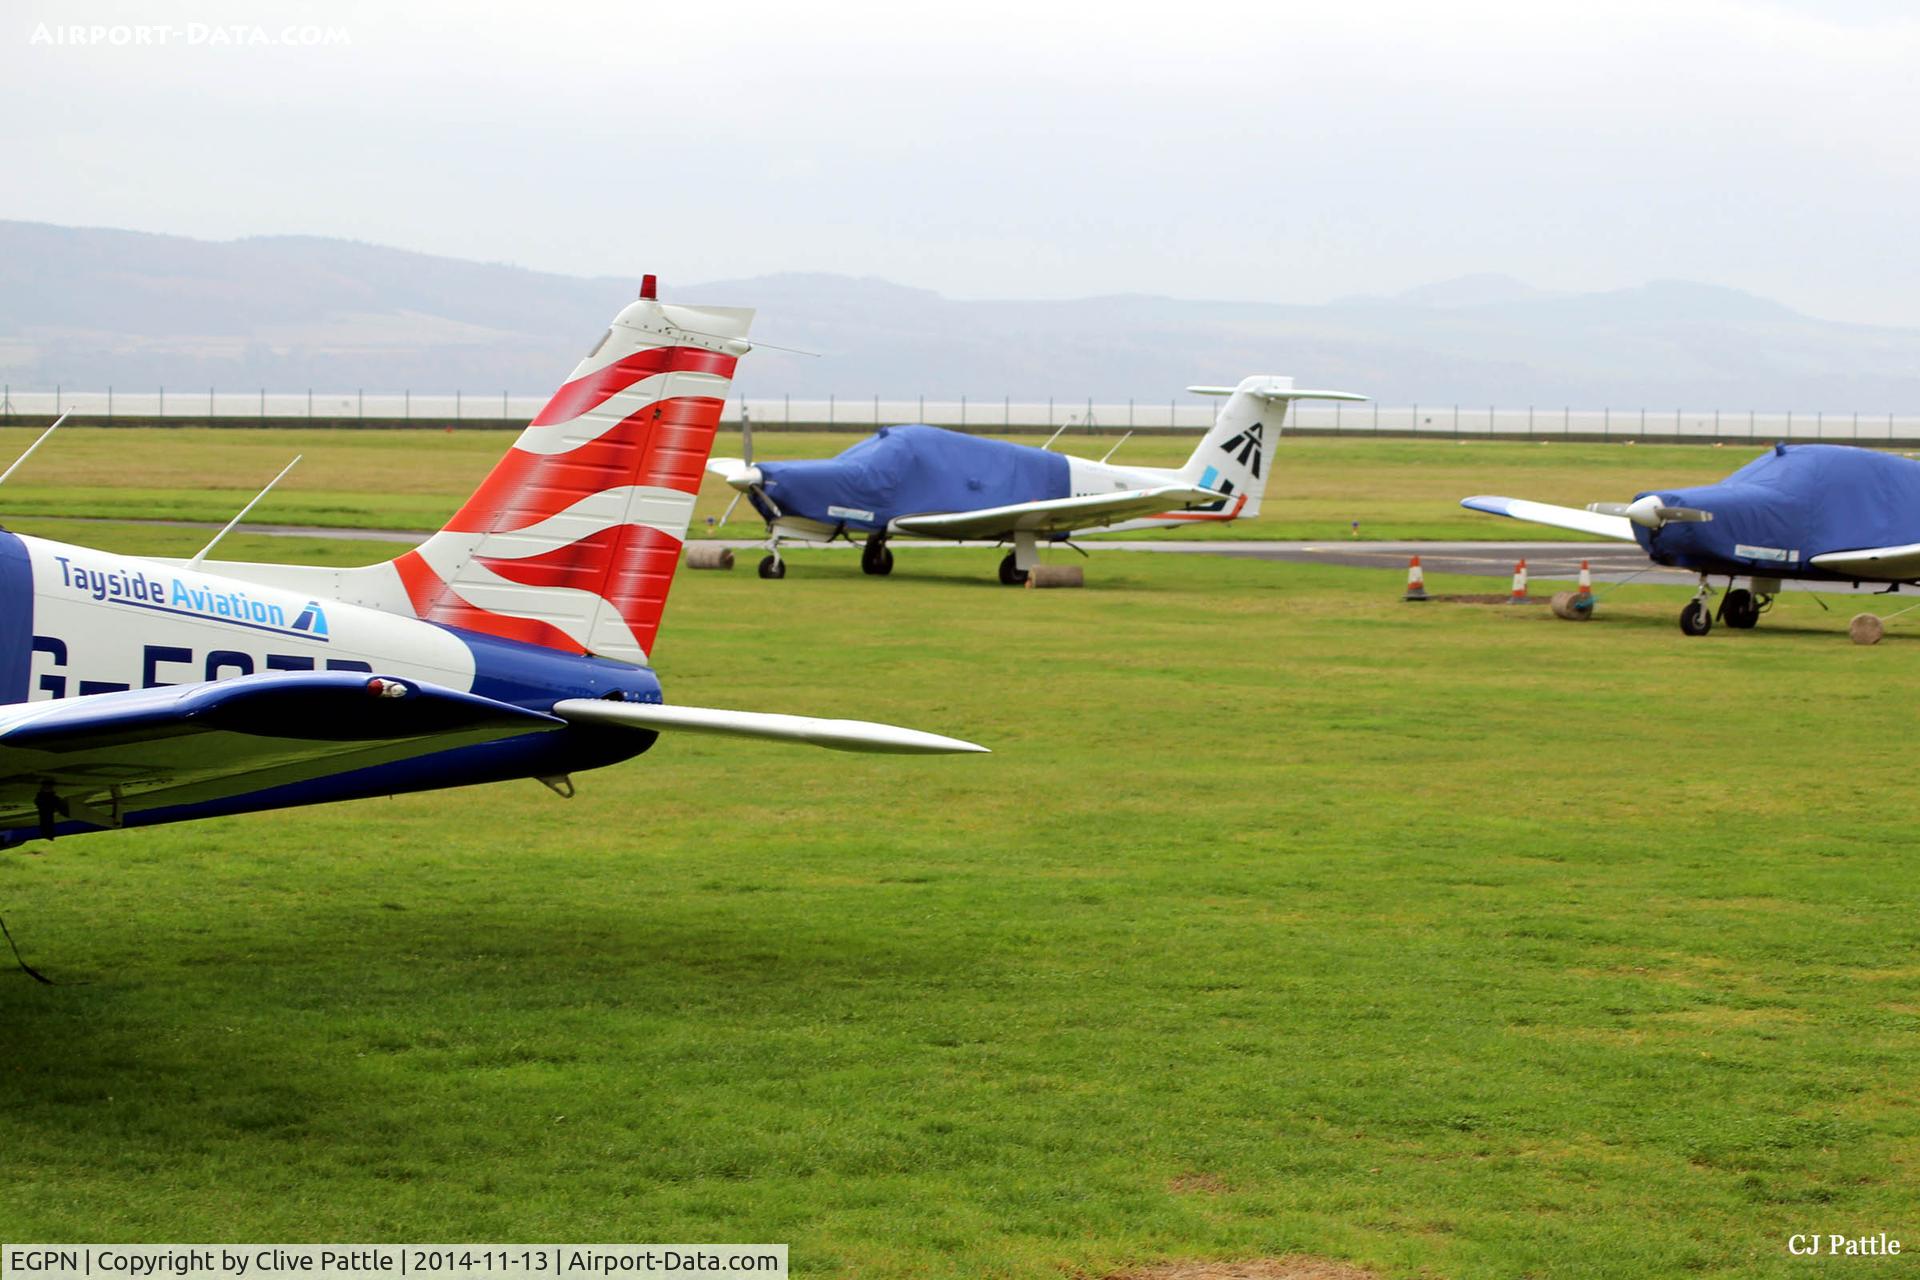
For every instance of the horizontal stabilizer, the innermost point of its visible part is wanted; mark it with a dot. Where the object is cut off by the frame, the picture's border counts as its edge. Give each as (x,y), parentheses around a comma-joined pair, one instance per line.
(1278,389)
(839,735)
(1594,522)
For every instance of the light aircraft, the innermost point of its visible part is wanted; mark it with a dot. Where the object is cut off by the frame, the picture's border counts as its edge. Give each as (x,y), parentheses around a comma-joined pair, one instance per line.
(1816,512)
(512,644)
(925,482)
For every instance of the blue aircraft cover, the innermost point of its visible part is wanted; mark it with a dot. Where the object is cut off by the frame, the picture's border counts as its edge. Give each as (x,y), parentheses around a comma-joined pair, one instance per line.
(1795,502)
(914,470)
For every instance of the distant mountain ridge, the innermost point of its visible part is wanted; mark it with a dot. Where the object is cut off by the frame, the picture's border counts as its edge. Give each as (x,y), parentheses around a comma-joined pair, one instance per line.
(91,307)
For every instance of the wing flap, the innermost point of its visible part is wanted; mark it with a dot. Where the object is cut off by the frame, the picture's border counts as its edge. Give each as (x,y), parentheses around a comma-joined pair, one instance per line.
(1879,563)
(838,735)
(1060,515)
(1605,526)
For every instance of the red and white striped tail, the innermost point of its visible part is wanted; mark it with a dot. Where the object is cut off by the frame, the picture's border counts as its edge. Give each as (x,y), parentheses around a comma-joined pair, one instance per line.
(572,542)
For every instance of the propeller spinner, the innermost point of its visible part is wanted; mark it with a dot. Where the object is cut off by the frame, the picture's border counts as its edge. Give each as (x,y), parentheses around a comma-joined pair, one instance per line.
(1651,513)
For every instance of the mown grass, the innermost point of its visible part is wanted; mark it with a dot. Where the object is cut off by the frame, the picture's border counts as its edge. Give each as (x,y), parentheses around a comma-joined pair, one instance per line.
(1287,917)
(387,479)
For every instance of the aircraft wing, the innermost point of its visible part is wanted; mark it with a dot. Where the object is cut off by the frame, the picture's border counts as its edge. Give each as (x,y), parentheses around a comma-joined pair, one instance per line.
(1560,517)
(96,758)
(1059,515)
(1881,564)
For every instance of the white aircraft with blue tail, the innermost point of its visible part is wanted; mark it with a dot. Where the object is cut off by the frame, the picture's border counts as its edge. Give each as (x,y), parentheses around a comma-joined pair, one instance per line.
(512,644)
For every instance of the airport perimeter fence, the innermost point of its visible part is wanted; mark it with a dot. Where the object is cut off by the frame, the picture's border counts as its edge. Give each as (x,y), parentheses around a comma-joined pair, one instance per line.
(501,411)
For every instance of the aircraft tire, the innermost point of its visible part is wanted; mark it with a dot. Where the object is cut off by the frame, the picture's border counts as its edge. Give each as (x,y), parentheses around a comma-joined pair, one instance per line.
(772,567)
(1739,609)
(876,559)
(1011,574)
(1694,619)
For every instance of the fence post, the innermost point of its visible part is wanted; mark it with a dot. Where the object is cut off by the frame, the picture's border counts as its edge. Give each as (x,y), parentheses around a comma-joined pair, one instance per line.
(406,403)
(309,404)
(163,403)
(109,402)
(786,409)
(876,408)
(456,405)
(1416,418)
(830,408)
(923,406)
(1049,412)
(963,413)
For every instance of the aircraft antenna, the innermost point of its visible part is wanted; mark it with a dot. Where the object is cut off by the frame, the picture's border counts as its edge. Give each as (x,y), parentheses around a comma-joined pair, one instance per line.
(1056,433)
(1116,446)
(35,445)
(195,562)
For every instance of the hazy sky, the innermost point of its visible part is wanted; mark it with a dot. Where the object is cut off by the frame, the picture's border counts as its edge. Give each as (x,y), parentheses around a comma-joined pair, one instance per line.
(1281,152)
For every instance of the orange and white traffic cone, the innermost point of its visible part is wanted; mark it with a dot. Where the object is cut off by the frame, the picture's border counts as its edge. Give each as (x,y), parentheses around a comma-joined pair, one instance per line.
(1519,595)
(1416,583)
(1586,581)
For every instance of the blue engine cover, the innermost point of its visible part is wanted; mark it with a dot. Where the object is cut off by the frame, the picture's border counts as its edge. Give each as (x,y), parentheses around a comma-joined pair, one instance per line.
(1790,504)
(914,470)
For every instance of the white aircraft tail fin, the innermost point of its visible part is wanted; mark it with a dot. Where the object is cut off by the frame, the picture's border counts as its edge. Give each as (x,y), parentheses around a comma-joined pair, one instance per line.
(1236,455)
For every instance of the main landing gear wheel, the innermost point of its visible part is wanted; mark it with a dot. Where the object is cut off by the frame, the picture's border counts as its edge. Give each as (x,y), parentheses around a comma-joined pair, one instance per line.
(773,567)
(1739,609)
(876,558)
(1694,619)
(1011,574)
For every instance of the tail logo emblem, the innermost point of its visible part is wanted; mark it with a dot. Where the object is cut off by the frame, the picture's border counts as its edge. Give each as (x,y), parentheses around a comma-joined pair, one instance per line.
(1245,447)
(312,619)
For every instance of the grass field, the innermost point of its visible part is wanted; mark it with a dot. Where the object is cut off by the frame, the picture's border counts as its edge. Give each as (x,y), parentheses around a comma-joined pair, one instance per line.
(415,479)
(1286,918)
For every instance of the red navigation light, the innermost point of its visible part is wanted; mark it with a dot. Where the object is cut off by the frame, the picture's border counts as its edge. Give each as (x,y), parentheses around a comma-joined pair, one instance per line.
(649,288)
